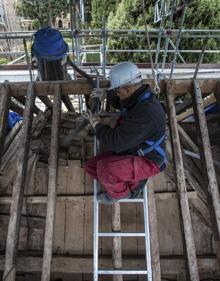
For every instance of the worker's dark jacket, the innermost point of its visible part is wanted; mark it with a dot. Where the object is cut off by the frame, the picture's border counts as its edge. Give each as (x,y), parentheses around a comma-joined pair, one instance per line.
(140,121)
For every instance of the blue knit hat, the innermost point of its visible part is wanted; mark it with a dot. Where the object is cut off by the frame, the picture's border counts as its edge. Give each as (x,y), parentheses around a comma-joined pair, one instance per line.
(49,44)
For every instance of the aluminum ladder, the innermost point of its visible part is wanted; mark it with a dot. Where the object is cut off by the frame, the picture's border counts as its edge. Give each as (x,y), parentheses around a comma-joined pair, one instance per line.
(97,234)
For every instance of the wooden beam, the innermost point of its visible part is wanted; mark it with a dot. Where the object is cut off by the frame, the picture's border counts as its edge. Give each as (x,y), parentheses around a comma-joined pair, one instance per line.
(187,138)
(66,100)
(170,266)
(208,101)
(18,188)
(184,105)
(16,108)
(22,100)
(83,87)
(208,164)
(87,198)
(87,65)
(188,240)
(52,185)
(116,241)
(12,134)
(154,238)
(46,101)
(184,86)
(4,110)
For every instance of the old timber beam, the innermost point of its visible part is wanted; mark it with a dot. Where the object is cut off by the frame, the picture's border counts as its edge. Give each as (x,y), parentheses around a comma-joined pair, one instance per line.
(83,87)
(188,240)
(18,188)
(4,110)
(52,185)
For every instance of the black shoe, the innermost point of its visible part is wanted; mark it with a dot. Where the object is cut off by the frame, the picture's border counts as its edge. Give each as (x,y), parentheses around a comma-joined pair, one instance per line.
(104,198)
(138,191)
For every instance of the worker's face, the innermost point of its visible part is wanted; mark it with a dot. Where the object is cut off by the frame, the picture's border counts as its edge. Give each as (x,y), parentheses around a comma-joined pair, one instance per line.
(124,93)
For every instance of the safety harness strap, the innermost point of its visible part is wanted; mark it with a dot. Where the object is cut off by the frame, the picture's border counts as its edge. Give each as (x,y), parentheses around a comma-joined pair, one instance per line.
(153,146)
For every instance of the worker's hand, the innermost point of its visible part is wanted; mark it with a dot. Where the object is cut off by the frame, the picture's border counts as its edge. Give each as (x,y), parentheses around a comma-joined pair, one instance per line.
(92,118)
(99,93)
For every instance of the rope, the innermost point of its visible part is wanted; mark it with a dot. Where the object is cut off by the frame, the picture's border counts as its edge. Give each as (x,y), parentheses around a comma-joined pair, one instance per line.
(160,34)
(156,87)
(178,39)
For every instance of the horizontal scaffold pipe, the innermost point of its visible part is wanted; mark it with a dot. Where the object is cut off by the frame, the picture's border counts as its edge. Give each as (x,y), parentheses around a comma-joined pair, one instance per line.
(20,53)
(82,87)
(200,33)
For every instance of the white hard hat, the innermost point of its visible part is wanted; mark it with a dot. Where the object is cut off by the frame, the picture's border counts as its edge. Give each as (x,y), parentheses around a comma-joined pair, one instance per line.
(124,73)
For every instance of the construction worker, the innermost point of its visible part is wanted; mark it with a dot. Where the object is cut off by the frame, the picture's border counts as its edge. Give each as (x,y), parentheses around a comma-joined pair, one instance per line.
(136,148)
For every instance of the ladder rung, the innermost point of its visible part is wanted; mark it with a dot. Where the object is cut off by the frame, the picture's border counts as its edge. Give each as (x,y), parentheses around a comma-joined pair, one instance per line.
(137,200)
(121,234)
(122,272)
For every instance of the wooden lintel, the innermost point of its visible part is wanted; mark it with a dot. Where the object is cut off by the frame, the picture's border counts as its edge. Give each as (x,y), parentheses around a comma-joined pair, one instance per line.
(83,87)
(84,199)
(169,266)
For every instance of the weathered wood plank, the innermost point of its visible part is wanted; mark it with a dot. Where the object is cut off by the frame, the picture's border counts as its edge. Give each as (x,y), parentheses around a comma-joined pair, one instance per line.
(116,241)
(74,228)
(189,244)
(187,138)
(207,159)
(68,103)
(154,238)
(52,185)
(79,87)
(60,213)
(75,178)
(62,180)
(4,110)
(18,188)
(129,224)
(16,108)
(59,228)
(88,198)
(11,135)
(169,266)
(88,221)
(22,100)
(210,100)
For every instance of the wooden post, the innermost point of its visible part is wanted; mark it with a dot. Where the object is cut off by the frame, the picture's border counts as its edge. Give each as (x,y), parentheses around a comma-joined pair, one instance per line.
(22,100)
(188,240)
(18,188)
(116,247)
(4,109)
(66,100)
(46,101)
(11,135)
(154,238)
(52,185)
(208,165)
(16,108)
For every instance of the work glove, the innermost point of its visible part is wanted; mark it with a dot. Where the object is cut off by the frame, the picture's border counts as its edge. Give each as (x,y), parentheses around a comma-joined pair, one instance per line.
(99,93)
(92,118)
